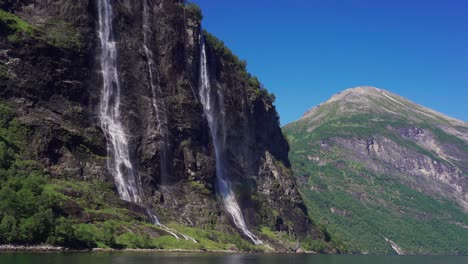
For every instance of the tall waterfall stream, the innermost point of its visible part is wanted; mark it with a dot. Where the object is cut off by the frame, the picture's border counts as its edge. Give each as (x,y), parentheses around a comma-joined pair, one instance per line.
(119,163)
(214,116)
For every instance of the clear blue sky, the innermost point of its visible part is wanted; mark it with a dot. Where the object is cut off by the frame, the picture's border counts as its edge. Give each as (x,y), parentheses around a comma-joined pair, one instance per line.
(304,51)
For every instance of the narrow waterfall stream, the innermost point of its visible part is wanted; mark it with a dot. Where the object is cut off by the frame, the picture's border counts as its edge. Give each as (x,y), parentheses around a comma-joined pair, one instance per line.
(159,111)
(214,115)
(119,163)
(156,95)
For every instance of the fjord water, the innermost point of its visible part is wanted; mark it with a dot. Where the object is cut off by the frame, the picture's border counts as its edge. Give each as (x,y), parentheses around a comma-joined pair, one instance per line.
(186,258)
(214,113)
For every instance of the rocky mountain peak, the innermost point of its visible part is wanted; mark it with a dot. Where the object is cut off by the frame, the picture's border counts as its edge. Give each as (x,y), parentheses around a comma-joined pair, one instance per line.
(360,99)
(356,91)
(383,104)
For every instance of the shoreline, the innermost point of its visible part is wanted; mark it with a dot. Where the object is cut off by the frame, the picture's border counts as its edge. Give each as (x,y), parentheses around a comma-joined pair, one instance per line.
(56,249)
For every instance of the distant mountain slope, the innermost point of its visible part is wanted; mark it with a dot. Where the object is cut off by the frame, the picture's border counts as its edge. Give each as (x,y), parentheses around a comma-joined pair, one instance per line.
(382,174)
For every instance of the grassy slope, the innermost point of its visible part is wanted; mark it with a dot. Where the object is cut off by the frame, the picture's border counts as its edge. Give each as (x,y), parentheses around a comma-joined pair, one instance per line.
(374,205)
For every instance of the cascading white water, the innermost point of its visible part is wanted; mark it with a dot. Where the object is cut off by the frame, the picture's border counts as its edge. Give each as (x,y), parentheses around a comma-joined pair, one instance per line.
(213,116)
(119,163)
(156,93)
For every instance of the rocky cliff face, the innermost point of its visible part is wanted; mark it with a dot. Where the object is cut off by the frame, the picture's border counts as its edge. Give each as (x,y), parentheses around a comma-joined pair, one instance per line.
(423,172)
(370,158)
(50,81)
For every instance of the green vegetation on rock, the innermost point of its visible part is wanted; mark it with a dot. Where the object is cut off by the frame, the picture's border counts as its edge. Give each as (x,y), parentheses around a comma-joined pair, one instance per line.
(3,72)
(15,23)
(195,9)
(61,34)
(254,86)
(57,33)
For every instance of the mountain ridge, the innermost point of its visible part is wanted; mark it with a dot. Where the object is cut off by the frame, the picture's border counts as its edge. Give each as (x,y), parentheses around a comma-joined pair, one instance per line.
(375,92)
(458,127)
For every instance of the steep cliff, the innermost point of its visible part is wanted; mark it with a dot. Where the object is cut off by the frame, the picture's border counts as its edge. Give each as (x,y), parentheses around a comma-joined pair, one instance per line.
(383,174)
(51,91)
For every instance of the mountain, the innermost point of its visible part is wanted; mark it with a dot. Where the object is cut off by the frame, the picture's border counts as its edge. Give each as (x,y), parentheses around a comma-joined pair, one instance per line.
(123,124)
(382,174)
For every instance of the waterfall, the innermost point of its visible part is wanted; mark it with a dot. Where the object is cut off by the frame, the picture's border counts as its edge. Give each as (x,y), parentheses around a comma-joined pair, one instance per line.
(156,93)
(119,163)
(214,116)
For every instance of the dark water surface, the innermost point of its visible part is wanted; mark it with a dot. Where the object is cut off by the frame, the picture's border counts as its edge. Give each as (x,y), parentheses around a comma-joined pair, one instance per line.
(185,258)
